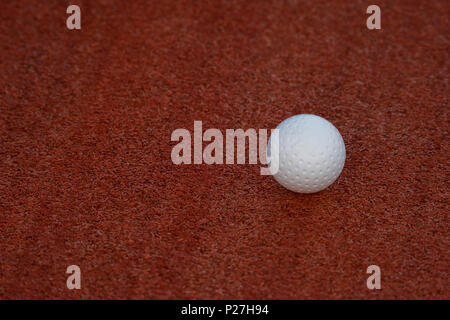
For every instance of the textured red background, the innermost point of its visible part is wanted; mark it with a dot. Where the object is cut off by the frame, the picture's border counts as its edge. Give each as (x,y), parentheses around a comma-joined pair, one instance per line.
(86,176)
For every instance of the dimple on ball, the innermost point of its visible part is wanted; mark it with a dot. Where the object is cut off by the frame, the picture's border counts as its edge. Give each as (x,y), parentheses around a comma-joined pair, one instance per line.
(311,153)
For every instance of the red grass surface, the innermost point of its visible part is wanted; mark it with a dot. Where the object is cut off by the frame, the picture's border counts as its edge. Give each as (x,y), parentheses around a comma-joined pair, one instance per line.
(86,176)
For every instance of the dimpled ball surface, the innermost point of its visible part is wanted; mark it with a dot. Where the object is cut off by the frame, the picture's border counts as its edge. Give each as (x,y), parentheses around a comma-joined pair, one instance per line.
(311,153)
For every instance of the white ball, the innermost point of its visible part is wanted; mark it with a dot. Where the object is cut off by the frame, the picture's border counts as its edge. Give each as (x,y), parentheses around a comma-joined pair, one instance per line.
(311,153)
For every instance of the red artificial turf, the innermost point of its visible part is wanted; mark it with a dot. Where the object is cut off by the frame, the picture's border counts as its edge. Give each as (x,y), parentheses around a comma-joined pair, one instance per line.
(86,176)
